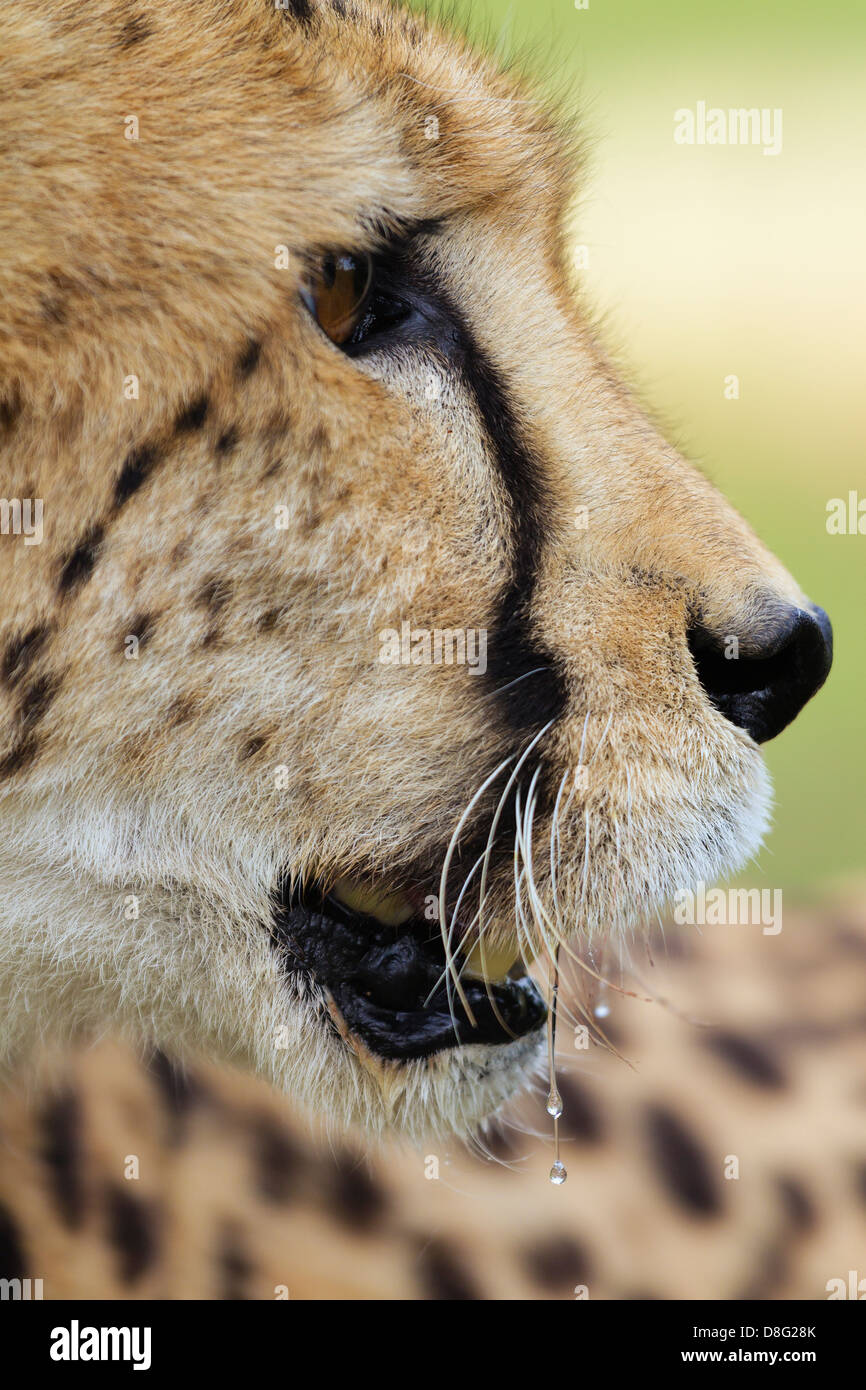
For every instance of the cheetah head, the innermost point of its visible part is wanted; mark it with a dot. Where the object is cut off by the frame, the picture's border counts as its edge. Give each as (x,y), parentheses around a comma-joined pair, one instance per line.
(375,642)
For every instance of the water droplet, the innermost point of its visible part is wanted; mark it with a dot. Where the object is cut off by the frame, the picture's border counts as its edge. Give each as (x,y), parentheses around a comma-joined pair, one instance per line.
(558,1173)
(602,1010)
(554,1104)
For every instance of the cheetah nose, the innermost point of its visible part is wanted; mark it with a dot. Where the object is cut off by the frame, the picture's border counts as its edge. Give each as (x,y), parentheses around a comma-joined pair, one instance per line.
(761,676)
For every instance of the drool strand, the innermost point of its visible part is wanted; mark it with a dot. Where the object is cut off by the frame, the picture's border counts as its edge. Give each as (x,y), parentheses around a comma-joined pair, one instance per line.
(558,1172)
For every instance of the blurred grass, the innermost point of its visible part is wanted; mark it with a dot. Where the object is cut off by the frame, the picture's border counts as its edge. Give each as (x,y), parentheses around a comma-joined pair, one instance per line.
(715,260)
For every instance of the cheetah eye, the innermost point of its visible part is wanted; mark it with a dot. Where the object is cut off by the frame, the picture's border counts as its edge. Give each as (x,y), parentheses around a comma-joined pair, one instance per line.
(349,296)
(337,293)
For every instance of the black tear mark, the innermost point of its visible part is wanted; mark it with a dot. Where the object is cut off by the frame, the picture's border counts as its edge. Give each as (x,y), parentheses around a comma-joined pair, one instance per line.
(527,679)
(251,746)
(135,30)
(358,1199)
(234,1266)
(20,756)
(192,417)
(277,1160)
(249,358)
(137,467)
(61,1153)
(79,563)
(21,652)
(557,1262)
(444,1274)
(132,1232)
(12,1262)
(581,1116)
(214,594)
(751,1060)
(681,1163)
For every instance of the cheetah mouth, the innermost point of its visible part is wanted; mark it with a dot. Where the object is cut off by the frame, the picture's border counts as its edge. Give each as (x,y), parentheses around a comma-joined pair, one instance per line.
(386,982)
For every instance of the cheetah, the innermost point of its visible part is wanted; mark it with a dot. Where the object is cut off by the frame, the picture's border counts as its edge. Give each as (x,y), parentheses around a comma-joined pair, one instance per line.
(292,362)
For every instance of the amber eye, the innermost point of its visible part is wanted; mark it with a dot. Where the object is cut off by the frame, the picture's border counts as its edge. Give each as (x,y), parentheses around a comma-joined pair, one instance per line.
(337,293)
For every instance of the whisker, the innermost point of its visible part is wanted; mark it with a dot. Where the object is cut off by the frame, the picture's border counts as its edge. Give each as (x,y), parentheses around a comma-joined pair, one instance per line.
(495,822)
(443,885)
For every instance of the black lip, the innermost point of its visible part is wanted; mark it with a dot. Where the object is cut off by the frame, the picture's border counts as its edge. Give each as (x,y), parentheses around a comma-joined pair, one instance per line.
(380,979)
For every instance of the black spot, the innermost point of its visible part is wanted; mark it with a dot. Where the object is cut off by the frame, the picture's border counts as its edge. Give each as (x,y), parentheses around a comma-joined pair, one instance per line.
(357,1198)
(798,1205)
(136,469)
(142,626)
(339,8)
(227,441)
(135,29)
(62,1156)
(20,653)
(192,417)
(10,409)
(581,1115)
(681,1164)
(180,1090)
(770,1268)
(132,1231)
(252,745)
(559,1262)
(78,565)
(249,358)
(181,709)
(276,1160)
(52,309)
(751,1060)
(267,621)
(19,756)
(234,1266)
(36,699)
(443,1273)
(300,10)
(12,1263)
(214,594)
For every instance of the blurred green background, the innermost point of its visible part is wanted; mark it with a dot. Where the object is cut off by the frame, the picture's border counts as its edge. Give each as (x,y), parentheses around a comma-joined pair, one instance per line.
(715,260)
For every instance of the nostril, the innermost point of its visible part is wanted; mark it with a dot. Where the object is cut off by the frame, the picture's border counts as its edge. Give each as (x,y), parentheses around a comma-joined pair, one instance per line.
(762,687)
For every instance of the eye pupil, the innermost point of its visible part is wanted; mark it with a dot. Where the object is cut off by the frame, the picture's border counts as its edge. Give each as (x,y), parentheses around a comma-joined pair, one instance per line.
(339,292)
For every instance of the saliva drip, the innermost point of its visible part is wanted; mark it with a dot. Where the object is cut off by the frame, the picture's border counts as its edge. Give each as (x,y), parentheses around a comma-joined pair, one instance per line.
(558,1172)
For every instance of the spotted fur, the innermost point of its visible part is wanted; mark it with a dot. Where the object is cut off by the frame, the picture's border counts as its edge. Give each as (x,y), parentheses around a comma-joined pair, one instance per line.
(233,1197)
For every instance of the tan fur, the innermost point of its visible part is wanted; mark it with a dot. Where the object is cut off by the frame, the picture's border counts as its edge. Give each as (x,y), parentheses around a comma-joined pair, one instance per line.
(155,777)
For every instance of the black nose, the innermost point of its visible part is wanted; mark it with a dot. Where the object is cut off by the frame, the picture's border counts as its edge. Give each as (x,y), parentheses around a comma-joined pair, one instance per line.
(761,679)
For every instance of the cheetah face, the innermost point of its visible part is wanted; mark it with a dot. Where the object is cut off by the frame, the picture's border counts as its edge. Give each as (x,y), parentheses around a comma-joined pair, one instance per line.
(377,642)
